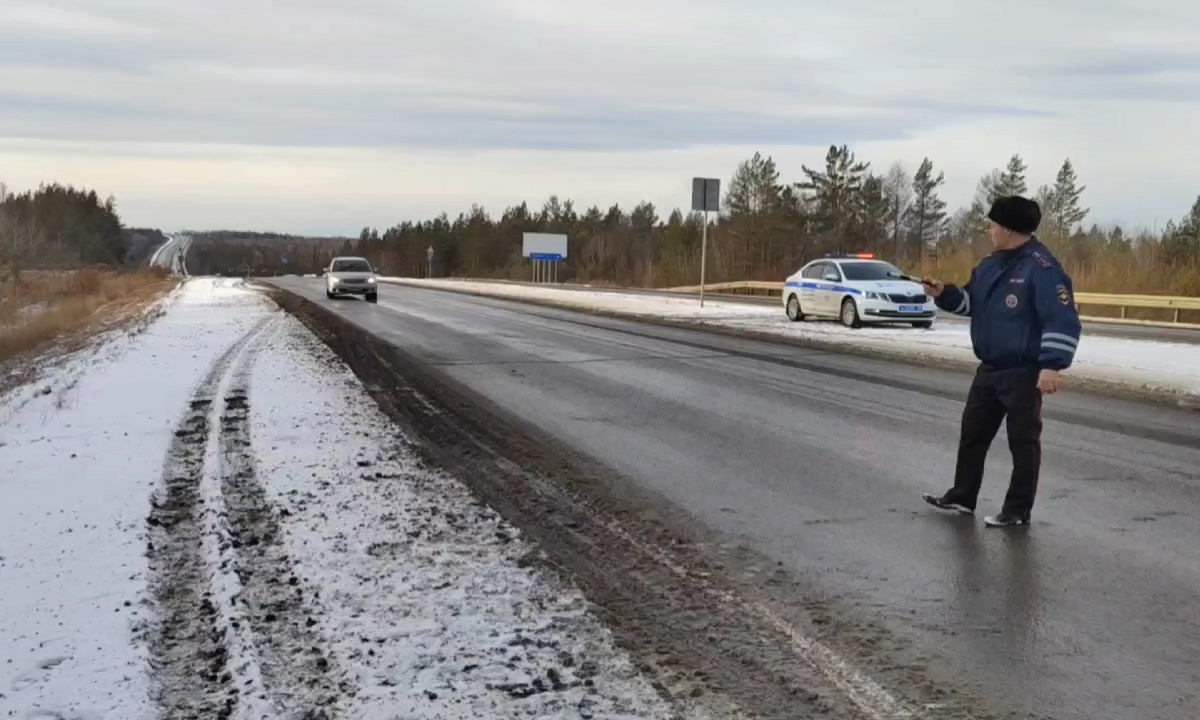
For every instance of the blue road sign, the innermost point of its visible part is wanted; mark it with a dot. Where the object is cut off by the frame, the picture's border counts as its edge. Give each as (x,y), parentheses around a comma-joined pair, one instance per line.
(545,256)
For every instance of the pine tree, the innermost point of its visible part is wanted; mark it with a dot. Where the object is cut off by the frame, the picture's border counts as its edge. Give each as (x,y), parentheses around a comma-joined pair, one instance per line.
(1012,180)
(754,188)
(755,204)
(1181,241)
(835,191)
(927,215)
(871,215)
(1064,211)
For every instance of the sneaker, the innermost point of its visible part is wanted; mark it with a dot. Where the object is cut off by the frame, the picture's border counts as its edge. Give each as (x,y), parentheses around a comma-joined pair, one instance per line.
(1006,519)
(944,504)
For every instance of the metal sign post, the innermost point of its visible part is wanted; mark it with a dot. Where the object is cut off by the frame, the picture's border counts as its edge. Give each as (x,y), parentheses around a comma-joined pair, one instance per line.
(546,250)
(429,260)
(706,197)
(545,266)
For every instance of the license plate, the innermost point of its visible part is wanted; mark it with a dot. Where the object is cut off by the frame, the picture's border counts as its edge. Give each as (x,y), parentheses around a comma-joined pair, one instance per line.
(911,308)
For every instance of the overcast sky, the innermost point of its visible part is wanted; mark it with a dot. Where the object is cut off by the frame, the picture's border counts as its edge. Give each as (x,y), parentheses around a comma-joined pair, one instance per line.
(323,116)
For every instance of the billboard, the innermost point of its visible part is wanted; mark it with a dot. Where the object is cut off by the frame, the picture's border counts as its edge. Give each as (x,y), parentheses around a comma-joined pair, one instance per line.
(544,245)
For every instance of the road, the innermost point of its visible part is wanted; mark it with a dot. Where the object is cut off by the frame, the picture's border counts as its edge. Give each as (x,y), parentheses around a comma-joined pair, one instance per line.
(817,460)
(1188,335)
(172,254)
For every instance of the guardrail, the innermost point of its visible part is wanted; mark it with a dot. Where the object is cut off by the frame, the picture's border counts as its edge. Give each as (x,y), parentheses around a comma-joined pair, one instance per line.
(1173,304)
(773,288)
(1159,302)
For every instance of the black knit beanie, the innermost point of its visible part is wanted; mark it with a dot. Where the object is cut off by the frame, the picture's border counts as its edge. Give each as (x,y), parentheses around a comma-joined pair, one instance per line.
(1021,215)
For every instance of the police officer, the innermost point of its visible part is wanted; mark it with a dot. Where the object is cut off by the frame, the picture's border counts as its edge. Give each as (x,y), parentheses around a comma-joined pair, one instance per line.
(1024,329)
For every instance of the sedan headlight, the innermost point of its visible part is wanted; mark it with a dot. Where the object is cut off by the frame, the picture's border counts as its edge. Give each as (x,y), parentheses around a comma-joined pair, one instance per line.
(874,296)
(371,280)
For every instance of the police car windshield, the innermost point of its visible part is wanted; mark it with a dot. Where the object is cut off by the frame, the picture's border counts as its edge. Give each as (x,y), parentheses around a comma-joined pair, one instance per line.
(868,270)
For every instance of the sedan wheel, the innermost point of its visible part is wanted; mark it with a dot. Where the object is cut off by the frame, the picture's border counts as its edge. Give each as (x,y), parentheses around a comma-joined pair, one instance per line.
(850,314)
(794,313)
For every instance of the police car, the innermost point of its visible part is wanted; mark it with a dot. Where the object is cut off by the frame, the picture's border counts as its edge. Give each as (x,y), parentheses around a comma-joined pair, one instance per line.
(856,288)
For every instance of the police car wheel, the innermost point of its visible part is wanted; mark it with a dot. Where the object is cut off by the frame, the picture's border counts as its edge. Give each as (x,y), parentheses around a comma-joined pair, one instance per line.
(849,315)
(794,313)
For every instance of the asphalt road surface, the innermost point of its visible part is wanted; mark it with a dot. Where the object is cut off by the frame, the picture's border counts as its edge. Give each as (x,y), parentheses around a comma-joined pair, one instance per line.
(818,461)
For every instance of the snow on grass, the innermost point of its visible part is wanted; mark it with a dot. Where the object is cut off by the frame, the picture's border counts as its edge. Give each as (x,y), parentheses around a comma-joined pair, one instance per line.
(1174,366)
(1123,360)
(426,596)
(56,373)
(78,470)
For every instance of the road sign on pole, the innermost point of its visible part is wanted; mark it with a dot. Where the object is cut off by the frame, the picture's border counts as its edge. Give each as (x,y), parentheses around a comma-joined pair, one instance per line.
(706,198)
(706,194)
(544,249)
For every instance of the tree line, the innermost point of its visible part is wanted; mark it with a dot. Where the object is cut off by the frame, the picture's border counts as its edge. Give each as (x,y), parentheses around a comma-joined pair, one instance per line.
(769,226)
(237,252)
(60,227)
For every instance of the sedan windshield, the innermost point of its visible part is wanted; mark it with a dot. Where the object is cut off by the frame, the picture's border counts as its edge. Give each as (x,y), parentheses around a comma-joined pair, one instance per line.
(351,266)
(869,270)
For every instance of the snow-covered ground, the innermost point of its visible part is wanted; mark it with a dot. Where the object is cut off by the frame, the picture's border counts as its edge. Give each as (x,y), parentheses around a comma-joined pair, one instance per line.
(80,453)
(1173,366)
(221,500)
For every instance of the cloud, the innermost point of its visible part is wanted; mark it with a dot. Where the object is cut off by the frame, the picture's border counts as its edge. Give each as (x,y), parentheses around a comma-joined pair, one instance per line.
(548,83)
(523,74)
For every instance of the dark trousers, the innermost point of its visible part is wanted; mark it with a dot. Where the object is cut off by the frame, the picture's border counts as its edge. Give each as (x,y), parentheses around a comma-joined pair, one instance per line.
(994,395)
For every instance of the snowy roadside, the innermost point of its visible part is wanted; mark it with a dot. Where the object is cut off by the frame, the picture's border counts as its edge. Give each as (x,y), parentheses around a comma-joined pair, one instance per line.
(44,373)
(1170,367)
(428,607)
(82,450)
(221,501)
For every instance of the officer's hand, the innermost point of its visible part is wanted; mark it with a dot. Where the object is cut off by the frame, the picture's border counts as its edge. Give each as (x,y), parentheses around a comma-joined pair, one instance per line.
(1049,382)
(933,288)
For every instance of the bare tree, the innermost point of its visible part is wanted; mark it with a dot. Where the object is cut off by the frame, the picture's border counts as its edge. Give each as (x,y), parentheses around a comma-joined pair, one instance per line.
(897,188)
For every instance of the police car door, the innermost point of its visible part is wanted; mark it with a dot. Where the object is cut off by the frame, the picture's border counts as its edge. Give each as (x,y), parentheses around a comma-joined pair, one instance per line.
(831,276)
(810,281)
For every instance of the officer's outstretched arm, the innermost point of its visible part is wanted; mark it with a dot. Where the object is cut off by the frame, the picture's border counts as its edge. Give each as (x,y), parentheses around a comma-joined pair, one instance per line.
(955,299)
(1054,299)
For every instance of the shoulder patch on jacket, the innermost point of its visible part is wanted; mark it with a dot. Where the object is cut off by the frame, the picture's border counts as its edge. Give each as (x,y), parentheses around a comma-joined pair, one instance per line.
(1042,260)
(1064,295)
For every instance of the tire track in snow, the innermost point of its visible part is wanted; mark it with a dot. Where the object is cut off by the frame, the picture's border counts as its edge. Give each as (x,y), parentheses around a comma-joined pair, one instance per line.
(189,652)
(233,639)
(298,671)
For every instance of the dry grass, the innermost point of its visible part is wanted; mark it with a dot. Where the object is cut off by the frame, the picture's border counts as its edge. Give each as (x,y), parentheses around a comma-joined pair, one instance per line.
(1129,273)
(46,307)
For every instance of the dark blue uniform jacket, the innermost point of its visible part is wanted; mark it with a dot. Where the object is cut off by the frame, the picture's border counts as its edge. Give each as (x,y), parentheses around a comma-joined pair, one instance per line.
(1022,309)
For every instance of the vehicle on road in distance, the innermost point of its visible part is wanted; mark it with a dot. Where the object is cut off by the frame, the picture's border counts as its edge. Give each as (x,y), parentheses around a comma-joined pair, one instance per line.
(351,276)
(856,288)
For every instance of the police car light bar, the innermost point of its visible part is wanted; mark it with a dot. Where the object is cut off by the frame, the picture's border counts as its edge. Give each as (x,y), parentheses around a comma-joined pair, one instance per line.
(866,256)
